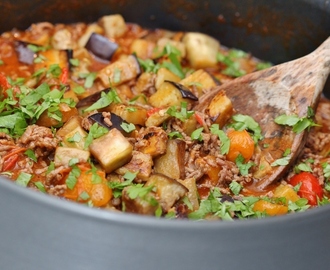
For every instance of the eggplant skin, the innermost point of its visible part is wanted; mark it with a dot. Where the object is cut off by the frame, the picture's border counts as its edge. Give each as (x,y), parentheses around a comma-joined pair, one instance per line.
(185,92)
(24,54)
(116,121)
(101,47)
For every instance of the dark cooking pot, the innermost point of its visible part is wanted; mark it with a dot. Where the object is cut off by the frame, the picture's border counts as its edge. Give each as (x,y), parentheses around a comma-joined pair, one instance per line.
(41,232)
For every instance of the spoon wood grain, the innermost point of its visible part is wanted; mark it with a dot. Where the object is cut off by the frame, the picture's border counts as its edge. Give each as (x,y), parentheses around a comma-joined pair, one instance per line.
(288,88)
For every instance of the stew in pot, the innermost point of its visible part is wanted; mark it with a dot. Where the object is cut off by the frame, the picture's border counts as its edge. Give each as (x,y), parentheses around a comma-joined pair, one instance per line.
(103,114)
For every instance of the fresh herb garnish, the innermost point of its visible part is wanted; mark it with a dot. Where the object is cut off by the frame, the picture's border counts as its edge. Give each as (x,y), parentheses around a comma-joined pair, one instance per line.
(174,64)
(105,100)
(226,210)
(116,75)
(183,114)
(40,186)
(241,122)
(224,140)
(79,90)
(23,179)
(284,160)
(297,123)
(72,178)
(127,127)
(235,187)
(95,132)
(231,60)
(117,187)
(138,190)
(74,62)
(31,155)
(175,134)
(243,167)
(89,79)
(197,134)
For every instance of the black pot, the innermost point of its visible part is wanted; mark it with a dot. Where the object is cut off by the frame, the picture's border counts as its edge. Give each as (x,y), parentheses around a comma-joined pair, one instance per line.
(41,232)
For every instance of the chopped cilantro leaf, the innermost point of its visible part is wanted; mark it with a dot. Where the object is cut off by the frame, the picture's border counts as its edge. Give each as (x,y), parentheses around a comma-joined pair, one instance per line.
(298,124)
(31,155)
(235,187)
(89,79)
(128,127)
(197,134)
(138,190)
(224,140)
(105,100)
(75,138)
(241,122)
(73,161)
(116,75)
(149,65)
(175,134)
(40,186)
(74,62)
(243,167)
(95,132)
(23,179)
(84,196)
(183,114)
(79,90)
(72,178)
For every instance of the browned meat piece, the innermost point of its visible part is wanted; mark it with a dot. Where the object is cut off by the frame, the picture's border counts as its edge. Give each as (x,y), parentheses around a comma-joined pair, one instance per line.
(152,141)
(41,139)
(141,163)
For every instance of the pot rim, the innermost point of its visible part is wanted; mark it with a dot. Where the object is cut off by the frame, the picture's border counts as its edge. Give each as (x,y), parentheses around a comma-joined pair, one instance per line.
(121,218)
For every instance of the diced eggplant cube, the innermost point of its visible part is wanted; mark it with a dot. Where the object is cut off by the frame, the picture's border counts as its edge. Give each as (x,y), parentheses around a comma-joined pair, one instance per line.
(220,109)
(24,53)
(171,163)
(72,133)
(201,50)
(114,25)
(63,155)
(121,71)
(101,46)
(112,150)
(168,190)
(139,205)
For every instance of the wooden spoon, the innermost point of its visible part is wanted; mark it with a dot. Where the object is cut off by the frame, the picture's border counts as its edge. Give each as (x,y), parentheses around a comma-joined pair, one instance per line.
(288,88)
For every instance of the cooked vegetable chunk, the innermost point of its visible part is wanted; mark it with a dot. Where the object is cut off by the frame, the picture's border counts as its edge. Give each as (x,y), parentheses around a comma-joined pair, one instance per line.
(168,190)
(171,163)
(101,46)
(113,25)
(112,150)
(63,155)
(220,109)
(118,72)
(201,49)
(140,163)
(72,134)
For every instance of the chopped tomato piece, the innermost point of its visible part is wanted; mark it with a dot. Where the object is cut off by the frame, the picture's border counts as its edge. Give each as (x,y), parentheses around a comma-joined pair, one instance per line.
(310,188)
(199,119)
(152,111)
(4,84)
(64,75)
